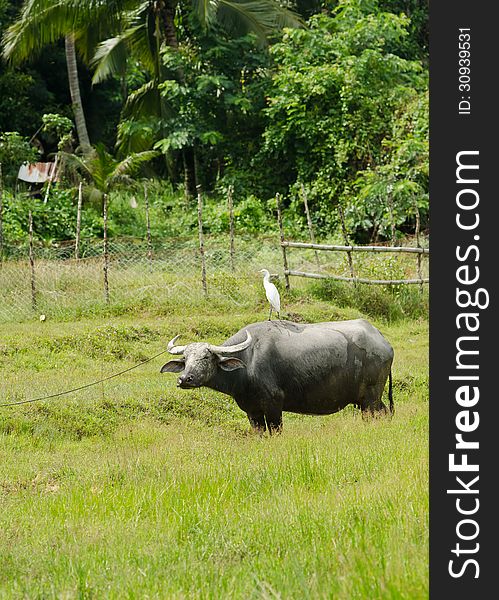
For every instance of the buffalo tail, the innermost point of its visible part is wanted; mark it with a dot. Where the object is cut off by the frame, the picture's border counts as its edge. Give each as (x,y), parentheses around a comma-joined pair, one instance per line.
(390,393)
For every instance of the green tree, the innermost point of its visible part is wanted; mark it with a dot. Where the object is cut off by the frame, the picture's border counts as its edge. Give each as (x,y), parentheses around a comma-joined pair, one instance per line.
(24,96)
(149,111)
(216,108)
(141,28)
(386,195)
(60,127)
(416,44)
(14,151)
(334,94)
(44,22)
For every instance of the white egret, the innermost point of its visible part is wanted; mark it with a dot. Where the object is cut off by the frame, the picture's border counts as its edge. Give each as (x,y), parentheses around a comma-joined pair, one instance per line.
(272,294)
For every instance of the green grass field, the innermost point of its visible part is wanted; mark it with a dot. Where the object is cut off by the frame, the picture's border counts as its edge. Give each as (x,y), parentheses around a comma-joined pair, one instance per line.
(136,489)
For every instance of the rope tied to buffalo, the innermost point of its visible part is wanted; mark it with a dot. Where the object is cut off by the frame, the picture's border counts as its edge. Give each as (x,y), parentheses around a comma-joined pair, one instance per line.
(82,387)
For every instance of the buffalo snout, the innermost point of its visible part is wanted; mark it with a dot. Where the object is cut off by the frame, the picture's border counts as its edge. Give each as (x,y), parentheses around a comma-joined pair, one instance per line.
(185,381)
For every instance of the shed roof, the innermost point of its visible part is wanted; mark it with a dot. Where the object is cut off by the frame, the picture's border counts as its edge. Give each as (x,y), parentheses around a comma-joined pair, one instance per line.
(39,172)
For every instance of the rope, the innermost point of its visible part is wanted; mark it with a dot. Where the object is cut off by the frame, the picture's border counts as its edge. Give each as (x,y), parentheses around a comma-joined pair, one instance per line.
(82,387)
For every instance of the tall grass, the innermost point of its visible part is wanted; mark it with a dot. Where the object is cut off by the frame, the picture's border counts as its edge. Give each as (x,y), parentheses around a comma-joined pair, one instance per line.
(136,489)
(333,508)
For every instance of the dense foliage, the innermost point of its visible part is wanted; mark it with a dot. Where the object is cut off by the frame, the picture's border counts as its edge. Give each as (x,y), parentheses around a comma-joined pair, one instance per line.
(336,103)
(336,97)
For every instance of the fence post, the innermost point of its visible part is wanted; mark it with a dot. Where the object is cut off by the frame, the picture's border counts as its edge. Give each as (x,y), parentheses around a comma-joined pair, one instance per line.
(347,241)
(32,262)
(1,216)
(309,223)
(51,178)
(392,212)
(418,225)
(281,232)
(78,221)
(148,227)
(201,239)
(230,192)
(106,250)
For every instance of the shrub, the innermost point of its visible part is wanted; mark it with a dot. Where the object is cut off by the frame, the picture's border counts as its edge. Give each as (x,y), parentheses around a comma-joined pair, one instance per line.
(14,151)
(52,221)
(380,302)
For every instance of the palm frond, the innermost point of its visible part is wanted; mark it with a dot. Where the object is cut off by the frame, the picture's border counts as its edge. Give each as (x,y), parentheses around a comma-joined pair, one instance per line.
(110,59)
(144,102)
(41,22)
(131,163)
(98,165)
(238,17)
(111,55)
(79,163)
(101,19)
(206,11)
(138,39)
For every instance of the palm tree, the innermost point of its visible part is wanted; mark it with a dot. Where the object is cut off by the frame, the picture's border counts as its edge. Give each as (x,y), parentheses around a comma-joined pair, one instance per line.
(82,24)
(105,172)
(151,23)
(151,26)
(141,28)
(74,89)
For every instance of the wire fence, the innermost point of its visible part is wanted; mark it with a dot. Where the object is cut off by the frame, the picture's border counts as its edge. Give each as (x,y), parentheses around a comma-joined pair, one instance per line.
(160,275)
(58,285)
(82,277)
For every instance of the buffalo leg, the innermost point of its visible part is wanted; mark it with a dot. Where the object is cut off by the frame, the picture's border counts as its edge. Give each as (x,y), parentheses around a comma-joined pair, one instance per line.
(274,422)
(372,405)
(257,422)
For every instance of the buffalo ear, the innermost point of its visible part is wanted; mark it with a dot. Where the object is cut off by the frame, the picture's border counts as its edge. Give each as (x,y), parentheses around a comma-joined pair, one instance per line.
(174,366)
(230,364)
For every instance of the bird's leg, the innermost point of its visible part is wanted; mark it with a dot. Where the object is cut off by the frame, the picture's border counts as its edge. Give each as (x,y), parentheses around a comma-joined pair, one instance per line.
(270,314)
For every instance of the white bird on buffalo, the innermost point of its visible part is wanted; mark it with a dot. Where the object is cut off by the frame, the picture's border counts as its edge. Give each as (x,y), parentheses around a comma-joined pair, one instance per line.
(272,294)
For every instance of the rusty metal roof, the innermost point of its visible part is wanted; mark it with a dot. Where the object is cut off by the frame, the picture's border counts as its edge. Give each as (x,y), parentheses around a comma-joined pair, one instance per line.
(37,172)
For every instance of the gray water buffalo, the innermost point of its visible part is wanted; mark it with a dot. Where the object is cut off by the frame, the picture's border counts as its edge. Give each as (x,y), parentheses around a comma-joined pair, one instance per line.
(272,366)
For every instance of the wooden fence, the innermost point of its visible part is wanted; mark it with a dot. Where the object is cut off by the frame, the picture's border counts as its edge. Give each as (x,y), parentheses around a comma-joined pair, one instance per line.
(419,252)
(349,249)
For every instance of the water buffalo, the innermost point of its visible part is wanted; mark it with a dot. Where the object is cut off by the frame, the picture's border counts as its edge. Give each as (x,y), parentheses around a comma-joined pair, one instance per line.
(272,366)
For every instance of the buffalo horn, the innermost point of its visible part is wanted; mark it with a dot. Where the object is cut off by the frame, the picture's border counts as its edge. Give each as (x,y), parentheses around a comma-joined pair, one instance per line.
(172,349)
(231,349)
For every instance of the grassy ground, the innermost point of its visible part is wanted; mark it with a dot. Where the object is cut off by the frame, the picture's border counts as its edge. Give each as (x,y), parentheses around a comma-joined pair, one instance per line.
(135,489)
